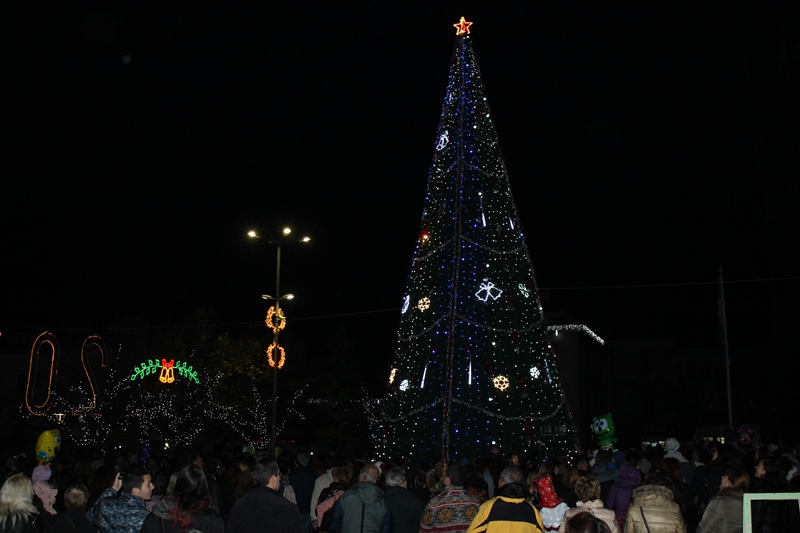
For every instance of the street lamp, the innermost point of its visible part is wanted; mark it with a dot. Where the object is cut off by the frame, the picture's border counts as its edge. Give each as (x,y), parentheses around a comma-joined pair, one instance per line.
(276,321)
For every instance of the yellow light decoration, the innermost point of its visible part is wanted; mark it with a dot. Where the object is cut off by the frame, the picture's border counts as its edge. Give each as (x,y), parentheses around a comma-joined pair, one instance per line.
(271,348)
(392,375)
(167,371)
(424,304)
(501,382)
(271,316)
(462,27)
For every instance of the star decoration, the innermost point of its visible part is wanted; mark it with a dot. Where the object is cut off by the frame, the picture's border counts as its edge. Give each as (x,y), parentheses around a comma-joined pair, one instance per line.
(462,27)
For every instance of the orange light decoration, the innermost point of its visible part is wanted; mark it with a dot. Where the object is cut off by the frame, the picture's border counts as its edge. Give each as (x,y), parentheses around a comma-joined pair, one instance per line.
(270,349)
(272,315)
(462,27)
(167,371)
(96,342)
(45,339)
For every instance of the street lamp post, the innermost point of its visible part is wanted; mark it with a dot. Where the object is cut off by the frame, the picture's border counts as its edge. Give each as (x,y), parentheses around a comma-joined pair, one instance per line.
(274,314)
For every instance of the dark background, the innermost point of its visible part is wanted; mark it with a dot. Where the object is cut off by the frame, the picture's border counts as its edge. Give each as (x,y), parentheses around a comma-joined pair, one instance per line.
(647,144)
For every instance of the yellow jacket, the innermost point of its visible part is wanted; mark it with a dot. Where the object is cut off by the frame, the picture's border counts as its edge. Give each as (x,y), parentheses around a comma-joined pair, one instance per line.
(505,514)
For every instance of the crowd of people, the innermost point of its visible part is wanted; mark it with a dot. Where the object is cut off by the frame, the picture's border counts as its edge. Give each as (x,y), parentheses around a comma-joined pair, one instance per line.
(677,487)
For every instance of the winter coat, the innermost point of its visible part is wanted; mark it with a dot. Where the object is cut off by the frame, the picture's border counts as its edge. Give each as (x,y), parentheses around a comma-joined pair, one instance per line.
(263,509)
(509,512)
(21,523)
(207,520)
(621,493)
(361,509)
(73,521)
(405,509)
(452,511)
(654,503)
(724,514)
(123,513)
(596,508)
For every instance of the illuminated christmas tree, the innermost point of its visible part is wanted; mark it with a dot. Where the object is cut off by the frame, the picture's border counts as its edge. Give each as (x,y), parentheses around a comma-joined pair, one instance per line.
(473,363)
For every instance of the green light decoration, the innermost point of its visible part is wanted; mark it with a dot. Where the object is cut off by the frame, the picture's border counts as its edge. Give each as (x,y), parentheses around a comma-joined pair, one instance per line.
(167,372)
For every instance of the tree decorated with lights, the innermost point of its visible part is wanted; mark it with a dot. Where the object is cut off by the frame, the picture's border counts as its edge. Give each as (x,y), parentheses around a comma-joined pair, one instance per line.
(473,363)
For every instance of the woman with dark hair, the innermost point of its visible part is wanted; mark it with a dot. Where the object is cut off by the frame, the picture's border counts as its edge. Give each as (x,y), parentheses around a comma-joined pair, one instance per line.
(17,512)
(724,512)
(188,507)
(586,522)
(773,516)
(672,468)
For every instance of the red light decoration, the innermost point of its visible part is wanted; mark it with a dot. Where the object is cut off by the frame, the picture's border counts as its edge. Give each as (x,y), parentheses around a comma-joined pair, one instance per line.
(167,371)
(462,27)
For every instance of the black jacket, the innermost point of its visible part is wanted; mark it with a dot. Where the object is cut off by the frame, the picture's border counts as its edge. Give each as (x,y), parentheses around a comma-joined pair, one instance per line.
(405,509)
(263,509)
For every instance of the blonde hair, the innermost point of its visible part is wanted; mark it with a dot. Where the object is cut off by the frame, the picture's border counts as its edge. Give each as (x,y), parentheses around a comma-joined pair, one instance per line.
(16,499)
(587,488)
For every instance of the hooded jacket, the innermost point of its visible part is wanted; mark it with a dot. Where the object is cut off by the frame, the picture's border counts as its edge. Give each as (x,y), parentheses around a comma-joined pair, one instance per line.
(621,492)
(361,509)
(654,503)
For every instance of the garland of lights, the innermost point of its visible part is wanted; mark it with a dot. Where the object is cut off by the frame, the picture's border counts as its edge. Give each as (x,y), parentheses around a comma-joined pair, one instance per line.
(577,327)
(167,373)
(493,250)
(533,325)
(486,412)
(270,349)
(433,251)
(426,330)
(272,315)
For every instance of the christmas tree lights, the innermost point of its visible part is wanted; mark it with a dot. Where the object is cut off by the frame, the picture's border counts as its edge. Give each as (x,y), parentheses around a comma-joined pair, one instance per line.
(473,365)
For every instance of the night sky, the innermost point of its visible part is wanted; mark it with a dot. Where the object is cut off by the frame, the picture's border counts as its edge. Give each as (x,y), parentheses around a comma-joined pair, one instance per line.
(647,143)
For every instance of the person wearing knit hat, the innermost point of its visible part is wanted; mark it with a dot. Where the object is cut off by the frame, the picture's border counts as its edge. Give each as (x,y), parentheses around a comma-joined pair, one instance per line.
(41,488)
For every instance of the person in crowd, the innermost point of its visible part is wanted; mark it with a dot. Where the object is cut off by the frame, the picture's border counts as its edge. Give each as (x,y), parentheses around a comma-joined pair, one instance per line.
(242,478)
(482,469)
(706,480)
(568,475)
(362,508)
(586,522)
(213,468)
(653,509)
(102,477)
(302,480)
(404,507)
(605,471)
(330,495)
(286,490)
(262,508)
(477,486)
(773,516)
(620,493)
(322,482)
(73,519)
(188,508)
(724,512)
(509,511)
(672,468)
(672,449)
(121,507)
(588,490)
(17,512)
(453,509)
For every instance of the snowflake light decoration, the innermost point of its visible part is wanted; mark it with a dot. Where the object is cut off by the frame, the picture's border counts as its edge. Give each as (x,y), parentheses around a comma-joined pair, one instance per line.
(444,139)
(404,385)
(487,290)
(424,304)
(501,382)
(535,373)
(524,290)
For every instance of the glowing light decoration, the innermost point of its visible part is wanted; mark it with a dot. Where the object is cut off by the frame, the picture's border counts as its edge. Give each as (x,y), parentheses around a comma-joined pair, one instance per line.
(281,360)
(424,373)
(501,382)
(524,290)
(166,370)
(443,141)
(47,341)
(462,26)
(535,372)
(404,385)
(392,374)
(488,290)
(424,304)
(92,341)
(406,302)
(276,320)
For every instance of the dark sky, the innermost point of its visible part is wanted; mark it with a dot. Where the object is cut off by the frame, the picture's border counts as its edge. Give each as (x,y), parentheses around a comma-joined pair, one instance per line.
(647,144)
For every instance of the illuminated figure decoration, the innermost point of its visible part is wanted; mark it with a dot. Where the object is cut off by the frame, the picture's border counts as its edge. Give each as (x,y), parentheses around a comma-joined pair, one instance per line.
(406,302)
(275,321)
(281,360)
(501,382)
(603,430)
(444,139)
(487,320)
(47,446)
(166,370)
(488,290)
(424,304)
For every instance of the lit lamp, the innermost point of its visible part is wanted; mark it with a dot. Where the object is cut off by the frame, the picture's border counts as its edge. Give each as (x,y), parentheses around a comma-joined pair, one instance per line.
(276,321)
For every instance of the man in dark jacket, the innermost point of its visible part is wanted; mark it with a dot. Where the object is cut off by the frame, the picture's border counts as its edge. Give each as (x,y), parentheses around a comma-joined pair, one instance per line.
(262,508)
(404,507)
(121,508)
(362,509)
